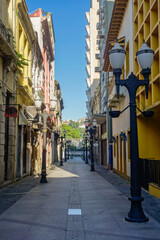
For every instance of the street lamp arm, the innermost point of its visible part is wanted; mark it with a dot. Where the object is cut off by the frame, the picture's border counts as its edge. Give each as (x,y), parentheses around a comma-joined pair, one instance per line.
(132,83)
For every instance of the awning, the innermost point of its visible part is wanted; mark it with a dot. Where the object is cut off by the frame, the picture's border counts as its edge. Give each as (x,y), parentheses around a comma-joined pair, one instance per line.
(30,112)
(100,118)
(22,119)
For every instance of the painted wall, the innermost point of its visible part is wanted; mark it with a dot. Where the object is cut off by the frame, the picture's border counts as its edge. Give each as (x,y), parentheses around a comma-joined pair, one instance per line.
(122,123)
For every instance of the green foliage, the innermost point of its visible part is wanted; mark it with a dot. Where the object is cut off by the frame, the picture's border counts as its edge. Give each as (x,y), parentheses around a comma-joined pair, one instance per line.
(72,132)
(73,124)
(21,62)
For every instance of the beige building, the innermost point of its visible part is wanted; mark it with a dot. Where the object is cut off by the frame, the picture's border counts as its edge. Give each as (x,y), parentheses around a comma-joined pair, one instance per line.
(123,30)
(8,77)
(58,122)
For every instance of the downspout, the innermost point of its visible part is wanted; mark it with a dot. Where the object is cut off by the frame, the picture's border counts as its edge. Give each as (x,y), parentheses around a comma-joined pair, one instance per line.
(109,128)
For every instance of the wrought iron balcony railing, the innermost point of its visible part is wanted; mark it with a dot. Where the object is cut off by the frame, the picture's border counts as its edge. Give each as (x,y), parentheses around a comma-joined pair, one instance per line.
(5,32)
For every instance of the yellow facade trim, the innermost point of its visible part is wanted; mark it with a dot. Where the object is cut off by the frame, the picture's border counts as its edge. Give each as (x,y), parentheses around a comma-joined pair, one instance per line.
(154,190)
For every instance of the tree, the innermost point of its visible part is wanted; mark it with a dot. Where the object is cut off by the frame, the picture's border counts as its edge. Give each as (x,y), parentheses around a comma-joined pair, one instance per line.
(74,124)
(71,132)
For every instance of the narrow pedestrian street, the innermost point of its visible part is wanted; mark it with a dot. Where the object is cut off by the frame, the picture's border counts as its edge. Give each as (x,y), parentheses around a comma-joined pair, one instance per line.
(75,204)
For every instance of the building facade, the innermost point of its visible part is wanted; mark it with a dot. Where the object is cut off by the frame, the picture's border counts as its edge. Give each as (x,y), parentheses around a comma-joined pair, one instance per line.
(146,25)
(98,20)
(131,23)
(43,26)
(25,38)
(92,48)
(27,46)
(8,78)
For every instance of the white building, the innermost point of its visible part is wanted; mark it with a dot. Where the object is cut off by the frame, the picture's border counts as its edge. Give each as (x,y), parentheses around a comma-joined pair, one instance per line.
(92,48)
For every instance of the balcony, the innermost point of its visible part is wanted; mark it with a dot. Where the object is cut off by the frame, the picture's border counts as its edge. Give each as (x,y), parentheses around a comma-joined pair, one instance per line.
(88,70)
(87,48)
(88,43)
(87,105)
(88,30)
(88,57)
(88,93)
(6,41)
(88,82)
(112,95)
(87,17)
(5,33)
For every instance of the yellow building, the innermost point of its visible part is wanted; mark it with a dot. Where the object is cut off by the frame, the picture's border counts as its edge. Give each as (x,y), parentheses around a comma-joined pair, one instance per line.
(24,42)
(147,26)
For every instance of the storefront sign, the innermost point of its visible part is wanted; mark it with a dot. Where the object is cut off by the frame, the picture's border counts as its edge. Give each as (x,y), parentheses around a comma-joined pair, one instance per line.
(11,112)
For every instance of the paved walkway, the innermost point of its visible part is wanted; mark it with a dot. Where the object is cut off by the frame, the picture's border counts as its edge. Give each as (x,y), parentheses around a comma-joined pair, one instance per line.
(42,213)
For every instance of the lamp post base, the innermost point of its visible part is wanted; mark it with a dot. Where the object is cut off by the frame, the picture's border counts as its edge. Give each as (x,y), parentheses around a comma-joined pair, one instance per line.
(43,178)
(92,168)
(61,164)
(136,213)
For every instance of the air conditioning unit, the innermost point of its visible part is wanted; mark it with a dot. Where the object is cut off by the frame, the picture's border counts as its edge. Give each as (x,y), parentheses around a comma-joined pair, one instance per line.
(97,69)
(101,9)
(98,42)
(100,33)
(101,16)
(97,56)
(98,11)
(103,22)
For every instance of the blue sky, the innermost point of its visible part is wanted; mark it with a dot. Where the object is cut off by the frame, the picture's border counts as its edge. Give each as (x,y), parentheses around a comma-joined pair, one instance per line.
(69,25)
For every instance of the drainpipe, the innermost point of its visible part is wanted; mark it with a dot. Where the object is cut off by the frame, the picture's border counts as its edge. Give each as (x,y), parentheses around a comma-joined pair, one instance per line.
(109,130)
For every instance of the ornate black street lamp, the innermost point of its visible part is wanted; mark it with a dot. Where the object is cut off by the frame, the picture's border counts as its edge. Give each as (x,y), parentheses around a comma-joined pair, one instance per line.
(85,136)
(44,116)
(92,131)
(145,59)
(69,142)
(83,150)
(65,145)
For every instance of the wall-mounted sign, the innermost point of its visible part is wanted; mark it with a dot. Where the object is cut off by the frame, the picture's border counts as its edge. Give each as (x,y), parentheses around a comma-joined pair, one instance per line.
(11,112)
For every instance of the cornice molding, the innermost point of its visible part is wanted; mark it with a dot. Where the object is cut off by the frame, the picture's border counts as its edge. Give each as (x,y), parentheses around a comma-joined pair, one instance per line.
(25,21)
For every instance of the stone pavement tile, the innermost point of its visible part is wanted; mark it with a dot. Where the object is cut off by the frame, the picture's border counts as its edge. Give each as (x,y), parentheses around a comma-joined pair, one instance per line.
(56,218)
(22,209)
(98,194)
(74,206)
(44,232)
(75,223)
(57,202)
(114,236)
(18,217)
(100,223)
(75,235)
(92,207)
(97,181)
(12,230)
(149,229)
